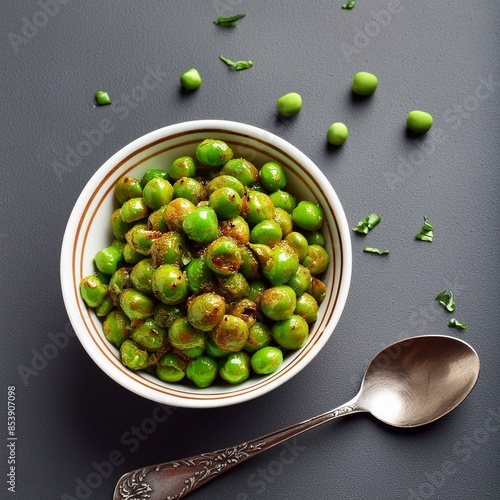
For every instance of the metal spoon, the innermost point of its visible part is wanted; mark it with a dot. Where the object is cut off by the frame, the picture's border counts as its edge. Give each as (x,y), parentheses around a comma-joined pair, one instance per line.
(409,383)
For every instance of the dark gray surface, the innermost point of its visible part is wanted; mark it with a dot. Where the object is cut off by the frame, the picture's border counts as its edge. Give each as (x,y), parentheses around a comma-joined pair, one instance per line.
(438,56)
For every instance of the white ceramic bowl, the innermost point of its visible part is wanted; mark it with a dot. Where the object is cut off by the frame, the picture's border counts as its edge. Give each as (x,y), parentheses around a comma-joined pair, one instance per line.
(88,231)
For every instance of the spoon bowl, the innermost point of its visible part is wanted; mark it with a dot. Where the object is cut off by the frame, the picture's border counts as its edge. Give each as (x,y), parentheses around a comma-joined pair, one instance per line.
(409,383)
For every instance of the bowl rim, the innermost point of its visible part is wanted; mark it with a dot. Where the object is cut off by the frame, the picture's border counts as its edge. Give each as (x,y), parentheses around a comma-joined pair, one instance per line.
(143,143)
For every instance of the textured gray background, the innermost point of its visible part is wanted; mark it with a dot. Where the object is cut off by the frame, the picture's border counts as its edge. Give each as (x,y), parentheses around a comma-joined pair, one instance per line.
(440,56)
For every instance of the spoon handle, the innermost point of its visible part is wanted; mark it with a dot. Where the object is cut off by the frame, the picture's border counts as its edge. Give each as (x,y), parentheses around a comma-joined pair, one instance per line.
(176,479)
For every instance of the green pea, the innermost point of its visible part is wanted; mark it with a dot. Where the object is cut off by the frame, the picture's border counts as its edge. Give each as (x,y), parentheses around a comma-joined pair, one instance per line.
(307,215)
(189,188)
(225,181)
(226,202)
(235,368)
(134,209)
(230,334)
(213,351)
(284,200)
(130,256)
(116,327)
(307,307)
(182,167)
(170,248)
(419,121)
(337,134)
(118,227)
(205,311)
(259,336)
(284,220)
(132,356)
(278,302)
(278,264)
(153,173)
(201,225)
(317,259)
(256,289)
(171,368)
(300,282)
(140,238)
(298,243)
(244,309)
(213,152)
(93,291)
(149,335)
(232,287)
(141,276)
(242,170)
(108,259)
(202,371)
(104,307)
(119,281)
(318,289)
(272,176)
(136,305)
(257,207)
(156,221)
(223,256)
(190,79)
(267,232)
(127,187)
(200,277)
(290,333)
(289,104)
(183,335)
(176,211)
(165,315)
(364,83)
(157,193)
(316,238)
(169,284)
(192,352)
(266,360)
(237,229)
(250,265)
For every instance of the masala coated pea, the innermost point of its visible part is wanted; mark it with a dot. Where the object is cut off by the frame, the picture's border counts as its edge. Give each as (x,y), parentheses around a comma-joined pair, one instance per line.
(108,259)
(116,327)
(257,207)
(316,259)
(132,356)
(157,193)
(118,227)
(176,211)
(141,276)
(149,335)
(237,229)
(170,248)
(307,307)
(202,371)
(267,232)
(153,173)
(171,368)
(225,181)
(278,302)
(230,334)
(200,277)
(307,215)
(266,360)
(272,176)
(243,170)
(183,335)
(136,305)
(226,203)
(130,256)
(315,238)
(140,238)
(165,315)
(259,336)
(245,309)
(93,291)
(201,225)
(127,187)
(223,256)
(169,284)
(191,189)
(278,264)
(300,282)
(250,265)
(235,368)
(213,152)
(318,289)
(290,333)
(134,209)
(232,287)
(298,242)
(284,200)
(118,282)
(284,219)
(213,351)
(205,311)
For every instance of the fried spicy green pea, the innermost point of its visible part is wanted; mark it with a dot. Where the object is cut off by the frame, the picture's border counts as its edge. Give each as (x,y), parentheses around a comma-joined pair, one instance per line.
(225,181)
(182,167)
(308,216)
(118,227)
(236,229)
(169,284)
(170,248)
(315,238)
(130,256)
(157,193)
(266,360)
(235,368)
(206,310)
(127,187)
(272,176)
(291,333)
(140,238)
(118,282)
(136,305)
(226,202)
(266,232)
(116,327)
(202,371)
(259,336)
(223,256)
(257,288)
(278,302)
(245,309)
(93,291)
(156,221)
(132,356)
(230,334)
(241,169)
(149,335)
(278,264)
(300,282)
(298,242)
(307,307)
(176,211)
(134,209)
(152,173)
(318,289)
(141,276)
(200,277)
(284,219)
(213,351)
(191,189)
(165,315)
(182,335)
(108,259)
(201,225)
(250,265)
(257,207)
(316,260)
(171,368)
(232,287)
(284,200)
(213,152)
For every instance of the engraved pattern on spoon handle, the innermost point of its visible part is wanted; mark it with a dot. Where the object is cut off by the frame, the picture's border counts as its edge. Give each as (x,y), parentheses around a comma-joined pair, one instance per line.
(175,479)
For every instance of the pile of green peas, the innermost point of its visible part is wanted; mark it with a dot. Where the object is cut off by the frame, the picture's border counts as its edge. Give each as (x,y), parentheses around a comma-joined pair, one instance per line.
(214,270)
